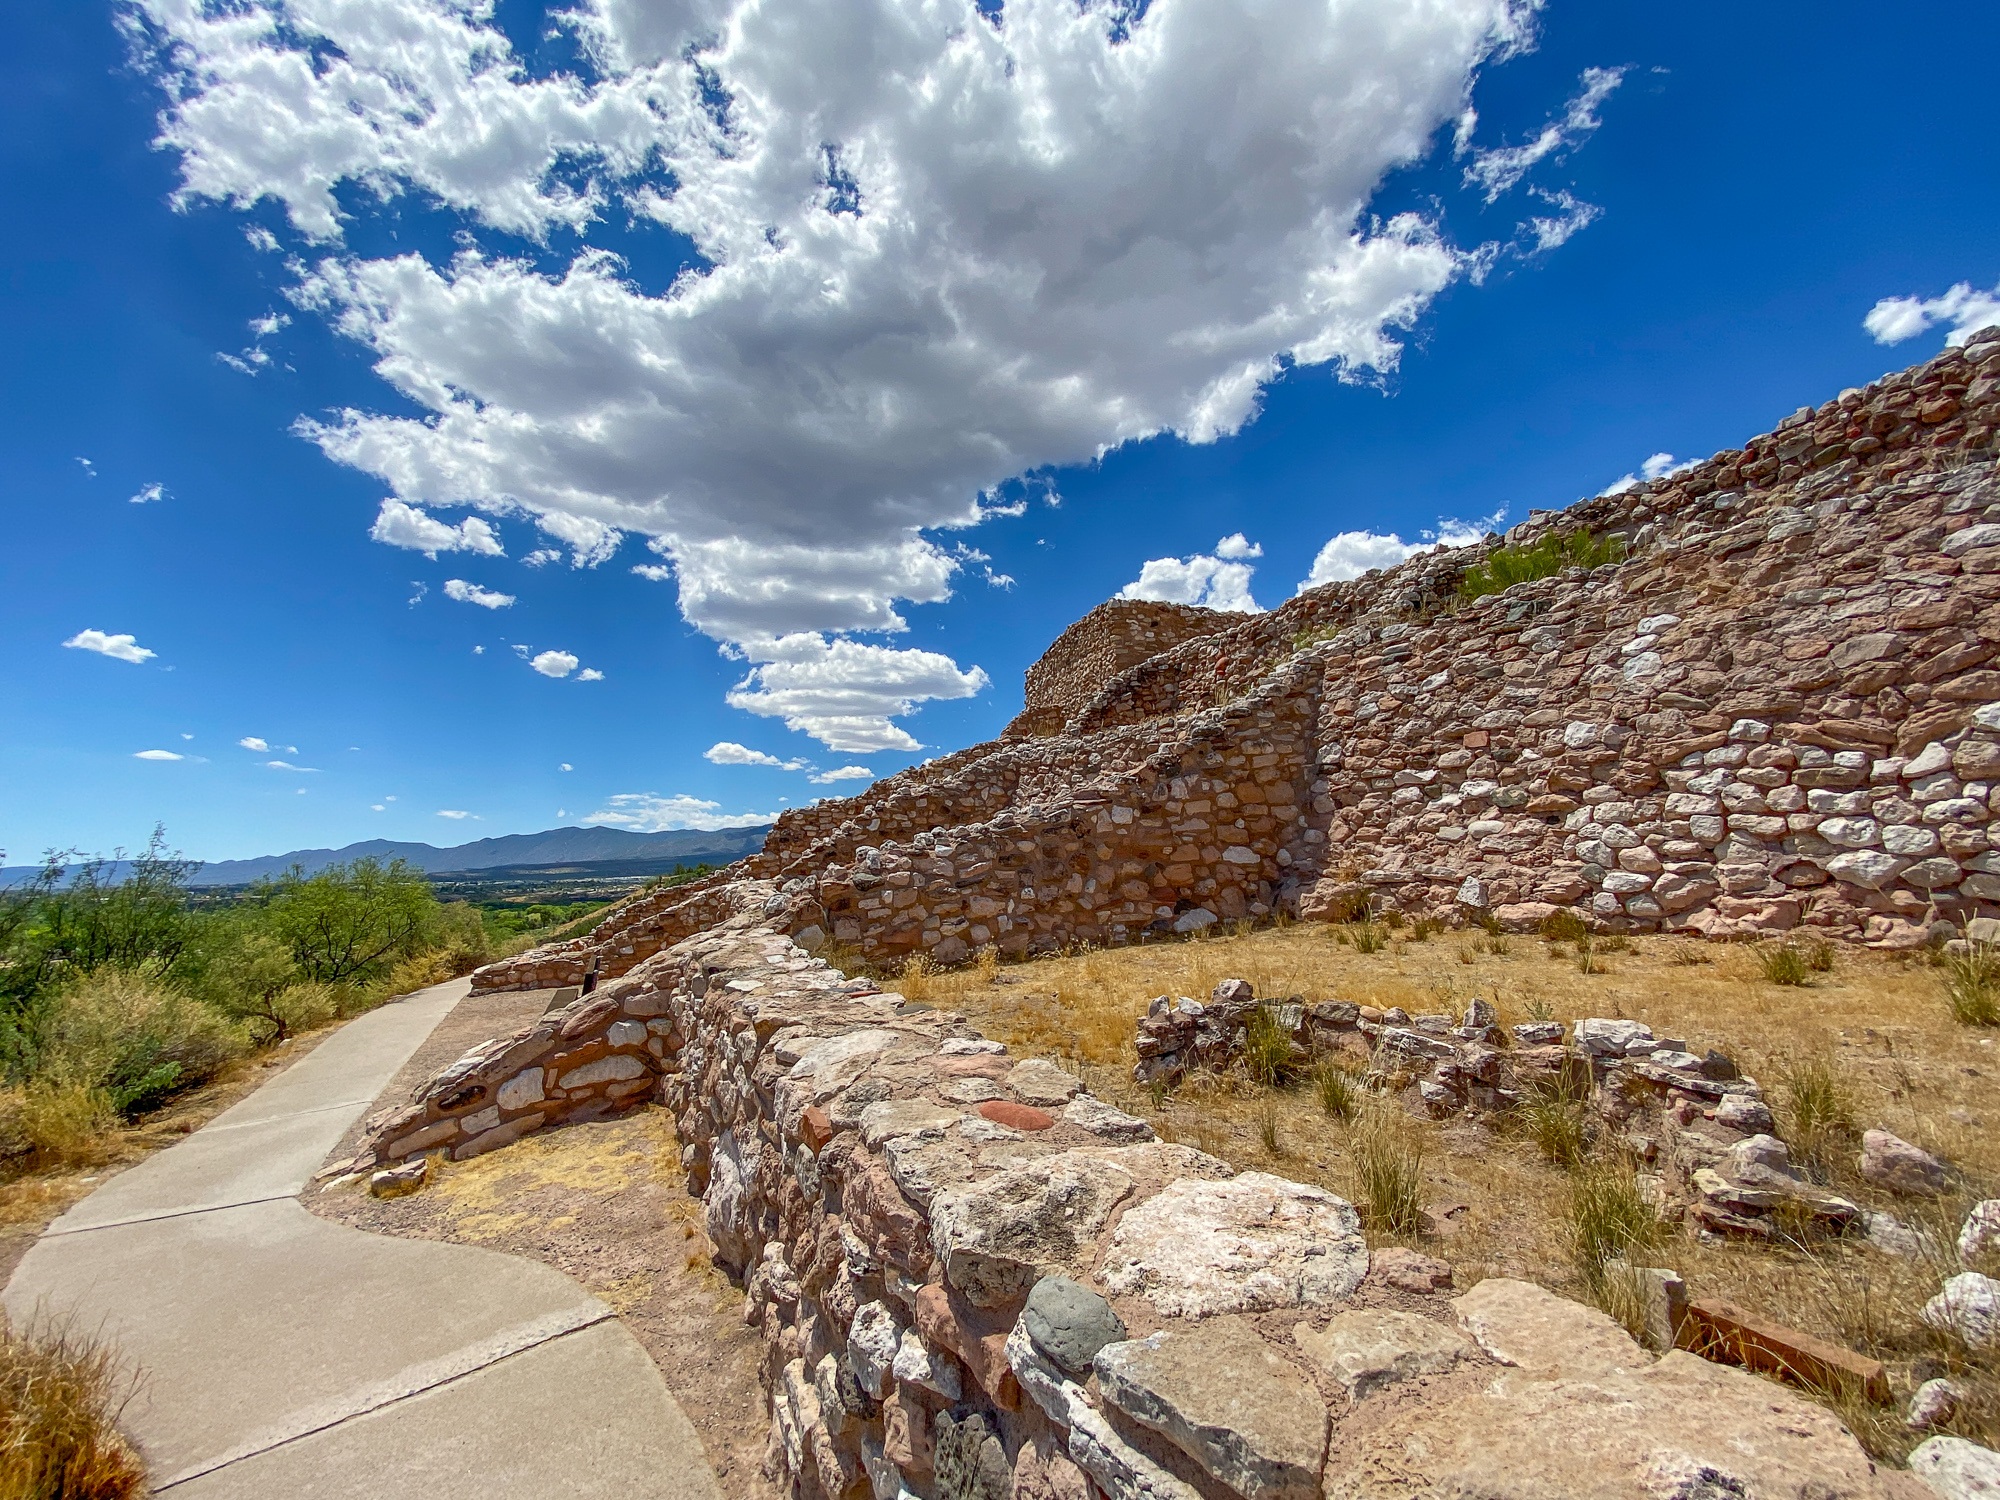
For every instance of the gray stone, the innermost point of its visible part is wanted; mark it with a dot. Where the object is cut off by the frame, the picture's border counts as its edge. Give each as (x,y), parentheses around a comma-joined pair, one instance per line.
(1252,1243)
(1070,1323)
(396,1182)
(872,1340)
(1090,1113)
(1969,1306)
(1040,1082)
(1537,1033)
(605,1070)
(998,1236)
(1365,1350)
(970,1462)
(1740,1112)
(522,1090)
(1518,1323)
(1956,1469)
(1892,1236)
(1981,1232)
(1600,1037)
(890,1118)
(915,1364)
(1893,1163)
(1228,1400)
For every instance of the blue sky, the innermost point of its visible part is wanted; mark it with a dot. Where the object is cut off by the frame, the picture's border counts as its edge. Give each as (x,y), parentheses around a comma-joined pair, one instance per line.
(1239,255)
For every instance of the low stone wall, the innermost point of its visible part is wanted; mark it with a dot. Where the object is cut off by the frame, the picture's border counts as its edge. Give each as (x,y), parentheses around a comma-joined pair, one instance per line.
(1114,637)
(975,1281)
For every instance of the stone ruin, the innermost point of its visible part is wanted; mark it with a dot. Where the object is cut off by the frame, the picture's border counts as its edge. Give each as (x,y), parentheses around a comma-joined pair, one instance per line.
(974,1279)
(1777,710)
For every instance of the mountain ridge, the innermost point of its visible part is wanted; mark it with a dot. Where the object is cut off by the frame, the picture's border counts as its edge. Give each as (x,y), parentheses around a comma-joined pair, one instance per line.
(570,845)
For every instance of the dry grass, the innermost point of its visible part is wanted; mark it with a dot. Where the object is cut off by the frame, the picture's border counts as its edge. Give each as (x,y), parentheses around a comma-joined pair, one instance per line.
(61,1393)
(1871,1041)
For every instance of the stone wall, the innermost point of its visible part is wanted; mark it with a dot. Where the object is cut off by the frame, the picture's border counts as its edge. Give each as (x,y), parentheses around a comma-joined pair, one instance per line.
(975,1281)
(1111,639)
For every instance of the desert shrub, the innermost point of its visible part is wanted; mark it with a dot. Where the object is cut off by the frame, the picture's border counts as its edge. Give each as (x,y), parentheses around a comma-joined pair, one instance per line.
(1388,1168)
(49,1124)
(1267,1129)
(1606,1218)
(986,964)
(1506,566)
(1338,1091)
(1565,926)
(1268,1052)
(130,1036)
(348,923)
(1814,1108)
(1587,961)
(1784,963)
(61,1394)
(1365,936)
(1423,929)
(1819,954)
(915,980)
(462,939)
(1972,985)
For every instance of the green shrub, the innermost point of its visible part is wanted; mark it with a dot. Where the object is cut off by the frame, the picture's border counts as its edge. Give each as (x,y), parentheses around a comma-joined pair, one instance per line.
(1553,1119)
(1565,925)
(1365,936)
(1506,566)
(1784,964)
(348,923)
(50,1124)
(1338,1091)
(131,1037)
(1815,1109)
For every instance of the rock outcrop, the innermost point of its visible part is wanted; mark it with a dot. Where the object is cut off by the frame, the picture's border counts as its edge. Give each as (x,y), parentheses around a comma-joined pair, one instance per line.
(1777,709)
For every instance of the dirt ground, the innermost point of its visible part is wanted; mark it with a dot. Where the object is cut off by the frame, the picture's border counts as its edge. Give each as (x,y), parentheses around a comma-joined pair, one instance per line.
(606,1204)
(1877,1023)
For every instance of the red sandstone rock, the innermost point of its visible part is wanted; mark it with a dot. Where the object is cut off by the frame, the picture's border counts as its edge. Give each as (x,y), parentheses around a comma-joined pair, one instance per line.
(1017,1116)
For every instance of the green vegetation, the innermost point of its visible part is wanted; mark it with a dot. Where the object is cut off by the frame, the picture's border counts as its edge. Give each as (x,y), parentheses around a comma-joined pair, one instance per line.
(1388,1166)
(118,993)
(1815,1110)
(1972,985)
(1267,1048)
(1506,566)
(1607,1219)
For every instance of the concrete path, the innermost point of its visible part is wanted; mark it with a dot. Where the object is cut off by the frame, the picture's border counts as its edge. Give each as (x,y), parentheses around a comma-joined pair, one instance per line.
(286,1356)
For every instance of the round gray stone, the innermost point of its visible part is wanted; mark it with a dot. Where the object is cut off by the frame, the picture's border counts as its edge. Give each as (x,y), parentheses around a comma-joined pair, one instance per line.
(1070,1323)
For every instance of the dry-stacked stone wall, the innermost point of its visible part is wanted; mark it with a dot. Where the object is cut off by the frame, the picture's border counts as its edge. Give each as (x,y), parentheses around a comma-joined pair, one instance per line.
(1111,639)
(976,1281)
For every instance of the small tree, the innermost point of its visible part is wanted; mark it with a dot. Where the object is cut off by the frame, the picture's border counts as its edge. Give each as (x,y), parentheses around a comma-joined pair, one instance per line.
(348,921)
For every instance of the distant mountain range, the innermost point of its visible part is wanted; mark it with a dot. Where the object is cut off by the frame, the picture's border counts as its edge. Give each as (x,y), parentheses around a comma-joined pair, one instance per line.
(558,846)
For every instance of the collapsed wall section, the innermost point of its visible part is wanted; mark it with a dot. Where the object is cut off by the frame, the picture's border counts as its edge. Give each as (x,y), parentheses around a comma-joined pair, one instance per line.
(1115,636)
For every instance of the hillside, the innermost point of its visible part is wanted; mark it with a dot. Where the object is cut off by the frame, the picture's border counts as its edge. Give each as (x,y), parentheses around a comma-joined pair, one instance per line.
(555,847)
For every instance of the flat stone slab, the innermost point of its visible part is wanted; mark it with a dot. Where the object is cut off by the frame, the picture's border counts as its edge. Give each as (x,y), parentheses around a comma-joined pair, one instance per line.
(1368,1349)
(1228,1400)
(1250,1243)
(1518,1323)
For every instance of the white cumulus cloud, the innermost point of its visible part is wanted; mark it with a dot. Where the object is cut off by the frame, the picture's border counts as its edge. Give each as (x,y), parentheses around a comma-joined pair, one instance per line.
(402,525)
(842,773)
(729,753)
(285,765)
(472,593)
(937,251)
(456,814)
(1349,554)
(554,663)
(845,693)
(1220,581)
(117,647)
(1966,309)
(1660,465)
(148,493)
(157,755)
(253,742)
(648,812)
(590,674)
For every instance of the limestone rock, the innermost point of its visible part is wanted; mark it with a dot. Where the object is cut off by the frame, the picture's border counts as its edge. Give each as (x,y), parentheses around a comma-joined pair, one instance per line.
(1367,1349)
(916,1364)
(1981,1231)
(999,1235)
(872,1341)
(1893,1163)
(1253,1243)
(1100,1119)
(891,1118)
(1070,1323)
(1519,1323)
(1224,1397)
(1956,1469)
(1408,1271)
(1933,1404)
(968,1460)
(1037,1081)
(1968,1306)
(398,1182)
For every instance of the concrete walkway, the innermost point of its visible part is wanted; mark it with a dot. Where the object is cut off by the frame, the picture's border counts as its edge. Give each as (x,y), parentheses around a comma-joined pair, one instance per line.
(286,1356)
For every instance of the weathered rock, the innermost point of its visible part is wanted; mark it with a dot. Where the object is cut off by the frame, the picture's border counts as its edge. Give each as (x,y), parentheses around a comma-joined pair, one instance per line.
(1933,1404)
(1409,1271)
(1893,1163)
(1253,1243)
(1224,1397)
(1968,1306)
(1035,1081)
(872,1341)
(917,1365)
(1365,1350)
(1956,1469)
(1518,1323)
(969,1461)
(1000,1235)
(892,1118)
(1070,1323)
(1087,1112)
(1980,1235)
(398,1182)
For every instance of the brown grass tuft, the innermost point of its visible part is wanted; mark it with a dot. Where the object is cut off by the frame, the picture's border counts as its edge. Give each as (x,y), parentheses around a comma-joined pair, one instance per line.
(61,1393)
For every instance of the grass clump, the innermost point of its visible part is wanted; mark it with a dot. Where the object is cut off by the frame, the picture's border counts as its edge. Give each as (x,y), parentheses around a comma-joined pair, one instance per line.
(1815,1109)
(915,979)
(1553,1119)
(1364,937)
(1565,926)
(1388,1168)
(1972,985)
(60,1398)
(1506,566)
(1338,1091)
(1785,964)
(1268,1052)
(1605,1219)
